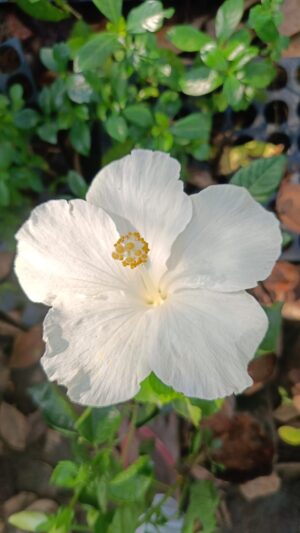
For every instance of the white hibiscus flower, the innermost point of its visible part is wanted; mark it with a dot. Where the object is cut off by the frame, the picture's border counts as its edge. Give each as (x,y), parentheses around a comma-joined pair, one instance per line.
(143,278)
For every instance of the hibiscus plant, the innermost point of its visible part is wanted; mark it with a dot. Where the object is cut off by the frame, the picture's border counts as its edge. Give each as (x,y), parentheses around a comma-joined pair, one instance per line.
(150,315)
(148,301)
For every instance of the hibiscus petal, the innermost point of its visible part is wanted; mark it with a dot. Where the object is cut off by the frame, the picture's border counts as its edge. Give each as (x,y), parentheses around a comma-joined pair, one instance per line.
(143,189)
(203,341)
(65,248)
(230,244)
(96,349)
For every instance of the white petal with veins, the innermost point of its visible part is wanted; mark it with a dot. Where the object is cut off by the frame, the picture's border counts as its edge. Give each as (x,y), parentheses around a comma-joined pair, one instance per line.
(142,192)
(230,244)
(97,349)
(202,341)
(65,249)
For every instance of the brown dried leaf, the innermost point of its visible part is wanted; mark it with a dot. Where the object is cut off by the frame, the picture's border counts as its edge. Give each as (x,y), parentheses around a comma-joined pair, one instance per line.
(17,28)
(285,412)
(28,348)
(14,427)
(291,310)
(260,487)
(293,50)
(262,368)
(291,22)
(288,205)
(245,446)
(17,503)
(296,402)
(44,505)
(282,281)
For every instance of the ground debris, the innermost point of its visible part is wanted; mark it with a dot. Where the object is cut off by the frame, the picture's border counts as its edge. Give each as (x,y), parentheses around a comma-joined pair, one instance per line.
(14,427)
(28,347)
(260,487)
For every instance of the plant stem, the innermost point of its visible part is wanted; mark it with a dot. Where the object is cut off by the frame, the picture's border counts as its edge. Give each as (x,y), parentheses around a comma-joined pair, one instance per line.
(130,434)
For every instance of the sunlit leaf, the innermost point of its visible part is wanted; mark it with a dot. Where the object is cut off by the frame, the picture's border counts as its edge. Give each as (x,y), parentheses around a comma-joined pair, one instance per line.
(200,80)
(187,38)
(111,9)
(228,17)
(262,177)
(148,16)
(43,10)
(28,520)
(93,53)
(290,435)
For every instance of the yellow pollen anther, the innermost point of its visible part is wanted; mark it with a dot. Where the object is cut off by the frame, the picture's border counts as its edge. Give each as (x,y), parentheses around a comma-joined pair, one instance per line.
(131,249)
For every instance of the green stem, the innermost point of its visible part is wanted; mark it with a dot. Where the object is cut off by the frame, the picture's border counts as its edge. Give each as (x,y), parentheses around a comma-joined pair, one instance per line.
(171,490)
(130,433)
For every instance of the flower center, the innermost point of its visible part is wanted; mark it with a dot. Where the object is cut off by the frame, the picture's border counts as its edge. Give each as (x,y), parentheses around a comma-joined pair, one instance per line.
(131,249)
(157,299)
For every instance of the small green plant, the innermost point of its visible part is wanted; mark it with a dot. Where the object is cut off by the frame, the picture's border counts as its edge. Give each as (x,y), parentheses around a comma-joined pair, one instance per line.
(145,95)
(20,167)
(106,493)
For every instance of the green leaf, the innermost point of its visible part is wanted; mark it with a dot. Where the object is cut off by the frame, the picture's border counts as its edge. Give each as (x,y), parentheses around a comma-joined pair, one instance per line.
(131,484)
(65,474)
(202,508)
(233,91)
(228,17)
(194,126)
(116,127)
(125,519)
(168,103)
(213,57)
(237,44)
(148,16)
(290,435)
(188,410)
(26,119)
(139,114)
(55,407)
(4,194)
(79,91)
(99,425)
(187,38)
(28,520)
(92,54)
(77,184)
(200,80)
(46,56)
(154,391)
(7,154)
(48,132)
(111,9)
(258,74)
(261,19)
(80,137)
(16,96)
(262,177)
(56,58)
(271,339)
(42,10)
